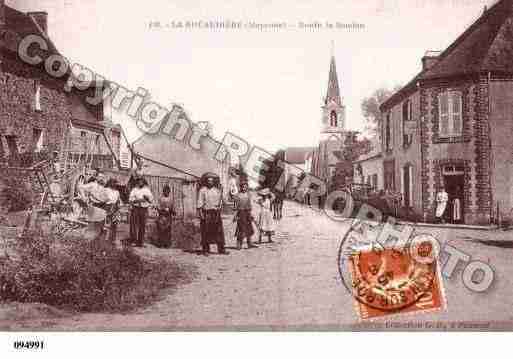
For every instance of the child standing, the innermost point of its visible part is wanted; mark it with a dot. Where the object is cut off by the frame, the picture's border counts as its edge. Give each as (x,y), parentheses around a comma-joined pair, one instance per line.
(265,218)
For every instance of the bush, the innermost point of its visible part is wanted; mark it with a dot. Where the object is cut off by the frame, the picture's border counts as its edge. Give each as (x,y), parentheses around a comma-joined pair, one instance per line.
(16,196)
(85,275)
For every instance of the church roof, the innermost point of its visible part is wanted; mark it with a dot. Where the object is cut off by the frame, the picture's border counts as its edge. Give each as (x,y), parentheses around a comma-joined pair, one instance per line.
(333,92)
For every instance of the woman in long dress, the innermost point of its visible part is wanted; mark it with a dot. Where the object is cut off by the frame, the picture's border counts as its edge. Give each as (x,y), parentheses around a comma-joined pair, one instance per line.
(166,211)
(113,214)
(265,218)
(441,204)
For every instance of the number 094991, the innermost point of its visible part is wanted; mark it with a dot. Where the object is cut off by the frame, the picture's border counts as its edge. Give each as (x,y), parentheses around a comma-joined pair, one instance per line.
(30,345)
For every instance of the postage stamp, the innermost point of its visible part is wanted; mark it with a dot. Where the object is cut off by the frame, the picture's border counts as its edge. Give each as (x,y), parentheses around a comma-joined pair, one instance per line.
(392,280)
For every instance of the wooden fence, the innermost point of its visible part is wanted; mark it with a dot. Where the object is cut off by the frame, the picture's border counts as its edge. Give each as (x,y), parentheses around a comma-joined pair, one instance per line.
(184,192)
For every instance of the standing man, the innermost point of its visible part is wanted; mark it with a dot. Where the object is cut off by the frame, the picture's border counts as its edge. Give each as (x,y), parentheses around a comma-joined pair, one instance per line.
(209,211)
(244,217)
(140,198)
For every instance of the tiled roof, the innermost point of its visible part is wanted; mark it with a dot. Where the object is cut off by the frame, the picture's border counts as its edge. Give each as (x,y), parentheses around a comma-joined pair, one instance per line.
(297,155)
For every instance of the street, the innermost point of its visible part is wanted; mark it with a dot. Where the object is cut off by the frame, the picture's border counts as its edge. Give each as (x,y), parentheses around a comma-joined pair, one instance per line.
(294,283)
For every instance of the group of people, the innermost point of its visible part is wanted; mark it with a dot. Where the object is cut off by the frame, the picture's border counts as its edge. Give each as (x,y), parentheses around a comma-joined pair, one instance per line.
(101,199)
(448,208)
(210,200)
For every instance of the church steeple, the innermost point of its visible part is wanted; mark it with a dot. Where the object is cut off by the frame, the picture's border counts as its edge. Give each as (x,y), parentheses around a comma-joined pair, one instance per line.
(333,93)
(333,111)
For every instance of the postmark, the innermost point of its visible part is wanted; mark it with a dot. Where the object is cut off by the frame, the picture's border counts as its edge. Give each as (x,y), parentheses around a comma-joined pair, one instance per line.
(389,279)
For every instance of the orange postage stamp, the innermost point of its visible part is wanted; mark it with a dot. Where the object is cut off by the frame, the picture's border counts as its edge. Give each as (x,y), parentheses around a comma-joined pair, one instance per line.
(390,281)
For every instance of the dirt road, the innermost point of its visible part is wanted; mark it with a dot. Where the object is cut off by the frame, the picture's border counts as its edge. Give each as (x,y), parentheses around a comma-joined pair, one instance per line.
(292,283)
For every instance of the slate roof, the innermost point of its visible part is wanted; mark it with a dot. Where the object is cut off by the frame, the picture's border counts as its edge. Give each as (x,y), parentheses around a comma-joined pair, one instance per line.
(23,24)
(333,92)
(485,46)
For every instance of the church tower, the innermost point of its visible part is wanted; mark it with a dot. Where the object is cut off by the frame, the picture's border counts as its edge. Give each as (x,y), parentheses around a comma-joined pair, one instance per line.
(333,111)
(332,132)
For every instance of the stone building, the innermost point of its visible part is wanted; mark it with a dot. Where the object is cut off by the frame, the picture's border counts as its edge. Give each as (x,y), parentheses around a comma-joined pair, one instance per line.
(323,161)
(452,125)
(37,114)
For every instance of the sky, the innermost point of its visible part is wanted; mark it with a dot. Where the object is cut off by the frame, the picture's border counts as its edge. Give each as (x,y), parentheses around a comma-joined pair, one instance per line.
(267,86)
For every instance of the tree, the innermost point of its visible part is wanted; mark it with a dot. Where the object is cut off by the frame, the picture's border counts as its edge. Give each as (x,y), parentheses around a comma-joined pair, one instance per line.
(353,148)
(370,108)
(271,175)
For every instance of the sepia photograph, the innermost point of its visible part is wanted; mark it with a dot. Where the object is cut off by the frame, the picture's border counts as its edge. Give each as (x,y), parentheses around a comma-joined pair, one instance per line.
(261,166)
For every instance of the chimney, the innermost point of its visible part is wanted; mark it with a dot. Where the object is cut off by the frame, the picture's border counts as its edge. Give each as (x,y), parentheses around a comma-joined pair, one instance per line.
(429,59)
(41,18)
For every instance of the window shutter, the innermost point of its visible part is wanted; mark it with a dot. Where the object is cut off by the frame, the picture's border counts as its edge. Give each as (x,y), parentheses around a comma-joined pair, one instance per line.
(406,110)
(444,113)
(402,187)
(410,176)
(37,96)
(456,114)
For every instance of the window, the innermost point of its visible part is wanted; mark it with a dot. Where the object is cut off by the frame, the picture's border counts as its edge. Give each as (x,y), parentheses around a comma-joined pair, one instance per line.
(12,145)
(389,175)
(333,119)
(408,123)
(375,182)
(450,109)
(331,171)
(407,185)
(37,139)
(37,95)
(82,133)
(388,133)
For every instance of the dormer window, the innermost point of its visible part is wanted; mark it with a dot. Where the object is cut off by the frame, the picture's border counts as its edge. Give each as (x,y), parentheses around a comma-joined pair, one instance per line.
(450,110)
(333,119)
(37,95)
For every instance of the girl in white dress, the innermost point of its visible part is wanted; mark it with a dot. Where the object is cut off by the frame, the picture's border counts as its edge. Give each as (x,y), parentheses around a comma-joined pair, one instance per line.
(265,218)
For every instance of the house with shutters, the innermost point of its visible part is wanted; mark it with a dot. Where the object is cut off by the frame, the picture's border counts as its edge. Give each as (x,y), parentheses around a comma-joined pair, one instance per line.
(452,125)
(37,113)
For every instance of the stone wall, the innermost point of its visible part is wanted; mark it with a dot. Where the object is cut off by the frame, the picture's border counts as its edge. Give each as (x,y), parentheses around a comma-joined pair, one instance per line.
(470,150)
(18,116)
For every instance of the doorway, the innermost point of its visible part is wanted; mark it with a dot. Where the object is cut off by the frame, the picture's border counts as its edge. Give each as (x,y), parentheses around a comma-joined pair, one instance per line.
(454,181)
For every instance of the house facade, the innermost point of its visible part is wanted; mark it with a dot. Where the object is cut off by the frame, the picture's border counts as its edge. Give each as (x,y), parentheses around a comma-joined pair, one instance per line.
(451,126)
(297,163)
(37,114)
(368,169)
